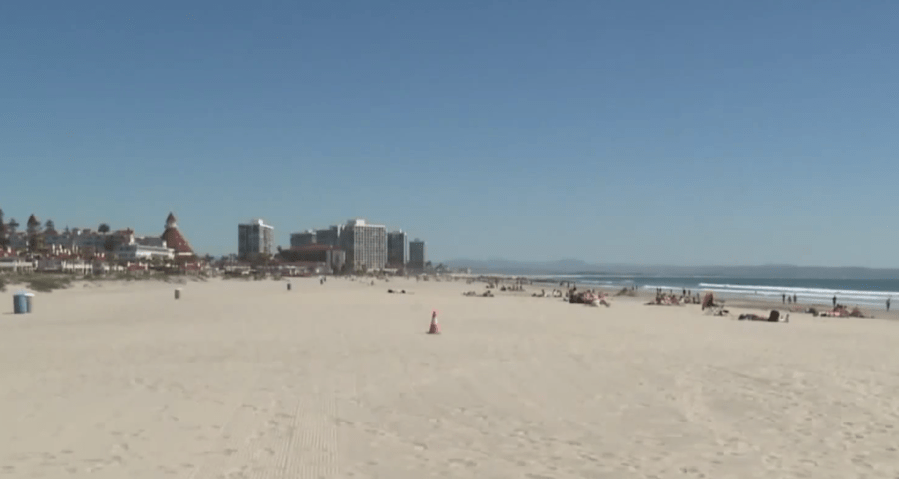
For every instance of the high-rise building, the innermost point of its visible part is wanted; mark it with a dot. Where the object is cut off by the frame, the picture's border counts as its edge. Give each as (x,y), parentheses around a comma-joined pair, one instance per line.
(303,239)
(397,249)
(417,255)
(329,236)
(255,238)
(365,245)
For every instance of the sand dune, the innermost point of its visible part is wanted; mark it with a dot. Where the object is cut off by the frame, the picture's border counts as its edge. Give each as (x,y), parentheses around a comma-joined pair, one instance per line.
(248,380)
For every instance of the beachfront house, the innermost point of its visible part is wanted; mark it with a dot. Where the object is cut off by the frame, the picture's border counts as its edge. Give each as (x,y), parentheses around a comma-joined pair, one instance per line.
(138,252)
(64,265)
(15,264)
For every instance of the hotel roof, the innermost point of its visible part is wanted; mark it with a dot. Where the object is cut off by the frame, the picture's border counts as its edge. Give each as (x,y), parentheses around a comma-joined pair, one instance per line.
(174,239)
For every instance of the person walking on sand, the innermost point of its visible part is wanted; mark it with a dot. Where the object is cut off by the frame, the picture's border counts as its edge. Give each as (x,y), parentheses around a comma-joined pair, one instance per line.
(834,301)
(794,299)
(783,298)
(888,304)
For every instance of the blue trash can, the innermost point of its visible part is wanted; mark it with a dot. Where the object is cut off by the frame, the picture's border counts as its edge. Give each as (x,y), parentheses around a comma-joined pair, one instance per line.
(29,301)
(20,303)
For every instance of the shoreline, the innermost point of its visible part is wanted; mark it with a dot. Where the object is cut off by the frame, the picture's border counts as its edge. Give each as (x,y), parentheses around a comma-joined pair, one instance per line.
(643,295)
(530,286)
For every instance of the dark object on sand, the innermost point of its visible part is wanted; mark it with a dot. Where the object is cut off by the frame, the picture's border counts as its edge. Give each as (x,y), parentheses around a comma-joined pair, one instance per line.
(708,301)
(774,317)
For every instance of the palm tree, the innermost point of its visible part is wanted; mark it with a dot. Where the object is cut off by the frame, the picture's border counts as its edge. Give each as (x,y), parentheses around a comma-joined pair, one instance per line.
(109,245)
(34,226)
(103,228)
(34,229)
(4,239)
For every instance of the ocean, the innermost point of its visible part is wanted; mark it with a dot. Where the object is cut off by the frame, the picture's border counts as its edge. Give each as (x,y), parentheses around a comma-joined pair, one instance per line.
(851,292)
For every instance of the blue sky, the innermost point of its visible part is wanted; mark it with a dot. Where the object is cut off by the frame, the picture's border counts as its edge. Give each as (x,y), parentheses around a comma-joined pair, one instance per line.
(681,132)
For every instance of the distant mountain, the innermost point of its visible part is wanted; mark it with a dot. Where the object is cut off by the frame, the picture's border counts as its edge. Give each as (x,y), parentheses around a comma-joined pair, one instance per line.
(573,266)
(502,266)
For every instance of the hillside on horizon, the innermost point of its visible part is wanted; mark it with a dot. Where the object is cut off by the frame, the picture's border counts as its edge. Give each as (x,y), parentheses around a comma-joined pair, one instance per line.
(573,266)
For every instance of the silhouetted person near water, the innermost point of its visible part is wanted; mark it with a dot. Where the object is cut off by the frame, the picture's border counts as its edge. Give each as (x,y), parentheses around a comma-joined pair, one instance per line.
(794,299)
(783,298)
(834,301)
(888,304)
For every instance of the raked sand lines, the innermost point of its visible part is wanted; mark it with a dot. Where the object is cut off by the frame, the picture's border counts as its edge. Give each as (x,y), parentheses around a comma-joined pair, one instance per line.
(283,428)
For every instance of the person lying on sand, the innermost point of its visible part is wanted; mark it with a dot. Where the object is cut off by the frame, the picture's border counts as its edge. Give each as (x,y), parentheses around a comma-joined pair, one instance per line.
(841,311)
(774,317)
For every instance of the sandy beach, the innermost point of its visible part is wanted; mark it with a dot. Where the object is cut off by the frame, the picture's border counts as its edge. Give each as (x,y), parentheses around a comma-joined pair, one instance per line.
(244,379)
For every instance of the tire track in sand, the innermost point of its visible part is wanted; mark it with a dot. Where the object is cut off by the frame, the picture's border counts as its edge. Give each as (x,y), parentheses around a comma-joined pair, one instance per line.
(312,450)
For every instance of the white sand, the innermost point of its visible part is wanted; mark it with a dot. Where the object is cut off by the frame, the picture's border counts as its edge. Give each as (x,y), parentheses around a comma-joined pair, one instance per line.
(248,380)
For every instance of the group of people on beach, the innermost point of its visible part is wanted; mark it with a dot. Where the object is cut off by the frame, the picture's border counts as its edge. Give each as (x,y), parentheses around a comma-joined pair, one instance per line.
(671,298)
(556,293)
(787,299)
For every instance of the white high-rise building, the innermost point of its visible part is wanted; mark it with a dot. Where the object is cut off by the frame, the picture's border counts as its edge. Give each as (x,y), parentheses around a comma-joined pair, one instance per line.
(365,245)
(255,238)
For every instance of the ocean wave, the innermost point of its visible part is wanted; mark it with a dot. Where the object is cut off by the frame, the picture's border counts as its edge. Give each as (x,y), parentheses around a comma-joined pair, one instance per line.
(823,292)
(875,299)
(804,294)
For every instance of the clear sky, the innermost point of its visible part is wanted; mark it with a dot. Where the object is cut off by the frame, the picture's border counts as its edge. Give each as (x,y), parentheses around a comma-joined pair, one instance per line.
(682,132)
